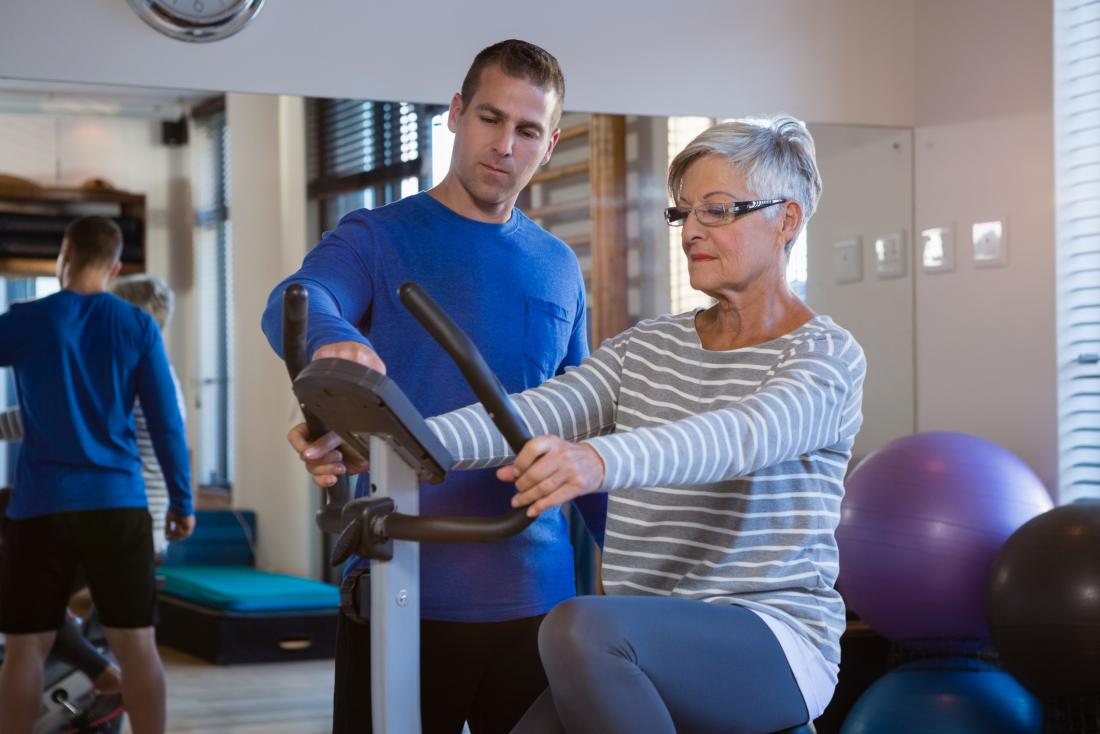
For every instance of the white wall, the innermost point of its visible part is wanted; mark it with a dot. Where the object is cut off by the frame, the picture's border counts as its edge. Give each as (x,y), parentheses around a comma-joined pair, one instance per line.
(127,152)
(268,213)
(841,61)
(974,76)
(868,192)
(984,150)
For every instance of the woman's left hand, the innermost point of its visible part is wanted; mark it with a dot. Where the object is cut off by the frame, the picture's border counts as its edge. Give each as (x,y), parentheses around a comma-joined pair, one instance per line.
(550,471)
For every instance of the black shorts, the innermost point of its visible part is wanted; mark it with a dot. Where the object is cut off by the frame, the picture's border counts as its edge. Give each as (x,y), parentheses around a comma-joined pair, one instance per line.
(39,557)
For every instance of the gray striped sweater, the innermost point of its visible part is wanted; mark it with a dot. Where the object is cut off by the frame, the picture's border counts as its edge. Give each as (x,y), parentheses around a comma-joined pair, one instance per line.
(156,488)
(725,468)
(11,425)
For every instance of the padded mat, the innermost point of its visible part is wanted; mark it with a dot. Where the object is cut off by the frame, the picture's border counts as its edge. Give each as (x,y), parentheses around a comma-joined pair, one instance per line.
(244,589)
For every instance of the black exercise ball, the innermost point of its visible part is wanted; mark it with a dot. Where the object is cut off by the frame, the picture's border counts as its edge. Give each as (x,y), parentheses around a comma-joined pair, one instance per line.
(1043,602)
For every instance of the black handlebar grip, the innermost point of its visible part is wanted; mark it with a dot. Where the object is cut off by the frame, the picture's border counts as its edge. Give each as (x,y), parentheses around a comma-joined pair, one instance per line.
(295,322)
(497,404)
(485,383)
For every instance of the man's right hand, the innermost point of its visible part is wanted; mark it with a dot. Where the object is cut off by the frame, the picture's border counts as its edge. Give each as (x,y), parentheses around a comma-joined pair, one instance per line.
(353,352)
(177,526)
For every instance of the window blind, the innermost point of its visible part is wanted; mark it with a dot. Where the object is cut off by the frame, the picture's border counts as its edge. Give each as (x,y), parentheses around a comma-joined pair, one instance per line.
(1077,177)
(363,144)
(214,288)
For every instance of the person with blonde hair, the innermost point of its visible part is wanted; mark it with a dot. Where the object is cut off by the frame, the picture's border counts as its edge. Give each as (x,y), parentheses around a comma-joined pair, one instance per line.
(152,295)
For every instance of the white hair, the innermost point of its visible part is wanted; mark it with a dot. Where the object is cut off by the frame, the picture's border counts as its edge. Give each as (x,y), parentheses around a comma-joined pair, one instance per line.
(776,156)
(147,292)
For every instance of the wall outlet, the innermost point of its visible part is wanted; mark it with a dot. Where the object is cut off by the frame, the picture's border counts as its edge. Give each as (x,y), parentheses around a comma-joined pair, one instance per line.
(890,255)
(937,249)
(990,244)
(848,261)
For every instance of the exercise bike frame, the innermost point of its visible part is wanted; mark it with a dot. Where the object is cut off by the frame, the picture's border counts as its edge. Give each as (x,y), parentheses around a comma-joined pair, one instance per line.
(371,414)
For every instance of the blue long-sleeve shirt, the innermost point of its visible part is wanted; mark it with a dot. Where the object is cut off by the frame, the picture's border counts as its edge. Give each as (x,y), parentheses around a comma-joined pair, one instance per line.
(519,294)
(80,360)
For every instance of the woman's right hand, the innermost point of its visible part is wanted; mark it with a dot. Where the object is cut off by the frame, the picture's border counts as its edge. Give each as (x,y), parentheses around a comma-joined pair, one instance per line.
(326,458)
(323,457)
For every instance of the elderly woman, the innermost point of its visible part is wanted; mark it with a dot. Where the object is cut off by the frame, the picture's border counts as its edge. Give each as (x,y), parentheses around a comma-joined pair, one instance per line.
(722,437)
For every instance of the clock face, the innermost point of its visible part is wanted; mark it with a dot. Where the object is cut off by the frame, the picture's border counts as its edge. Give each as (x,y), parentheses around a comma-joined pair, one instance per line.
(200,11)
(197,20)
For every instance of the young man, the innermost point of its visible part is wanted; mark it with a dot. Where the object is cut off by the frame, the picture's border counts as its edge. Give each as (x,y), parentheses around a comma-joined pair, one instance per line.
(80,357)
(519,293)
(153,296)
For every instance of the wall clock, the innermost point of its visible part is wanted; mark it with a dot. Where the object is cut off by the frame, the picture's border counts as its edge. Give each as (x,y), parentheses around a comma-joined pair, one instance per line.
(197,20)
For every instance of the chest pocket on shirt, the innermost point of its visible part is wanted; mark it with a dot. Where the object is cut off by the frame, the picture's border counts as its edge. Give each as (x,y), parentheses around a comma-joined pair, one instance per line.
(545,335)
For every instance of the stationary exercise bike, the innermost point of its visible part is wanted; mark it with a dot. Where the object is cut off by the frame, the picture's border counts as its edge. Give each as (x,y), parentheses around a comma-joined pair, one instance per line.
(70,704)
(371,414)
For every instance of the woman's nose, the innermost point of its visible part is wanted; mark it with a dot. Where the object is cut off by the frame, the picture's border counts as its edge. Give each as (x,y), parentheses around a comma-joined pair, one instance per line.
(692,229)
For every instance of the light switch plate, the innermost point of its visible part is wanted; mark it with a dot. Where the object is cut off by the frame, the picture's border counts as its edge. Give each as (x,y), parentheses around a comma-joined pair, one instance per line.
(990,244)
(890,255)
(938,249)
(848,261)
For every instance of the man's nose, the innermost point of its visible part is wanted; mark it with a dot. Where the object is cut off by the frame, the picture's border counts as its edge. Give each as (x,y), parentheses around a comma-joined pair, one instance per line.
(504,140)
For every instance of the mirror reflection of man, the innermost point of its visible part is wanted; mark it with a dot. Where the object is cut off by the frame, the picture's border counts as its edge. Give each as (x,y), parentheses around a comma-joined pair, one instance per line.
(81,357)
(519,293)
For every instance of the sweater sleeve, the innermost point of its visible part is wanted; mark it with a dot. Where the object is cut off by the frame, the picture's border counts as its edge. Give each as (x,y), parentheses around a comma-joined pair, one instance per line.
(810,401)
(156,391)
(576,405)
(341,289)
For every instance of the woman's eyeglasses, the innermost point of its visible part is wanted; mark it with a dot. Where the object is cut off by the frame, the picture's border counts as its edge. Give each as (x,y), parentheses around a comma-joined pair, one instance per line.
(712,215)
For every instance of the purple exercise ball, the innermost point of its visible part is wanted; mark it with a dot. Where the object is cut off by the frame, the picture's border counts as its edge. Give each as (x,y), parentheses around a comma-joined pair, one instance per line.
(921,522)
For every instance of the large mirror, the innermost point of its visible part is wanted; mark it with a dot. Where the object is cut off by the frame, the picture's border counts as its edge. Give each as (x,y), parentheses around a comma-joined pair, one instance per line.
(172,148)
(231,190)
(859,265)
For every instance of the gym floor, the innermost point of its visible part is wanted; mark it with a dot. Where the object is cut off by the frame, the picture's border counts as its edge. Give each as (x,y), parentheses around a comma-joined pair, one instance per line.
(277,698)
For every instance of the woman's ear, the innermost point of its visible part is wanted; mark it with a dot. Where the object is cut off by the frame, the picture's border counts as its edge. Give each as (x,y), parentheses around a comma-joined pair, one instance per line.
(792,219)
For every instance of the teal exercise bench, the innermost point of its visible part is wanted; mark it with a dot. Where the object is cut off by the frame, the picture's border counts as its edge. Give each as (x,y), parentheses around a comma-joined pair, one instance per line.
(214,604)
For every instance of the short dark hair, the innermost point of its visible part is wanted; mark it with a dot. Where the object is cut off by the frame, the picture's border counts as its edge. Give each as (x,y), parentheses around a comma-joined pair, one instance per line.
(521,60)
(93,242)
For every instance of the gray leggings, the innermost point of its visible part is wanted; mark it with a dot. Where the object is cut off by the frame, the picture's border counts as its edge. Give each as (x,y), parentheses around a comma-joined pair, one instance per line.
(642,664)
